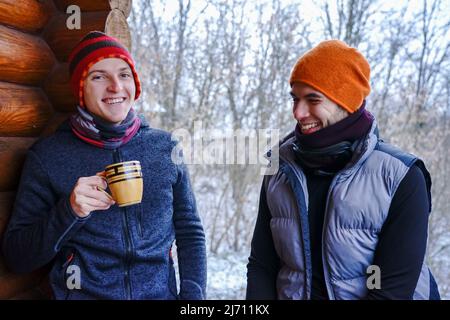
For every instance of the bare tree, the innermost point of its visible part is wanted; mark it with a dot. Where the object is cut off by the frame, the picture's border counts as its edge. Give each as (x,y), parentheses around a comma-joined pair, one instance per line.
(348,21)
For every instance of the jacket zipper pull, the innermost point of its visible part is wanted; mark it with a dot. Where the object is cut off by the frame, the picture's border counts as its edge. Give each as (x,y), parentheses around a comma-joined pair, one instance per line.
(69,259)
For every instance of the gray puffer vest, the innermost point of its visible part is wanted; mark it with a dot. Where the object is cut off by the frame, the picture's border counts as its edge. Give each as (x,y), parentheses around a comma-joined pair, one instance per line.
(358,203)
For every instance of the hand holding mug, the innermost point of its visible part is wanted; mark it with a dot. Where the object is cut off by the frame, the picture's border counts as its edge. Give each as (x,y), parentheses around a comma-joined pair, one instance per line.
(87,197)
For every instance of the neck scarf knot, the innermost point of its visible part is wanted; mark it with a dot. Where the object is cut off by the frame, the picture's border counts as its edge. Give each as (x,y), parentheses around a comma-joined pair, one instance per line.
(98,132)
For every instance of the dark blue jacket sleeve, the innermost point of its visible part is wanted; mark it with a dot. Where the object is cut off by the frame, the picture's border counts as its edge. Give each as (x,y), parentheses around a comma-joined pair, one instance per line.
(41,222)
(402,241)
(263,265)
(190,239)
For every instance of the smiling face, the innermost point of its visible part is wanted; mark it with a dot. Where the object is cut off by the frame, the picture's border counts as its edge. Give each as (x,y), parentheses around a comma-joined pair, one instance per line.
(313,110)
(109,90)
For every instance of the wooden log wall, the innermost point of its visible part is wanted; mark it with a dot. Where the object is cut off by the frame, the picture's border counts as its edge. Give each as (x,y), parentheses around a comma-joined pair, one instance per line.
(35,96)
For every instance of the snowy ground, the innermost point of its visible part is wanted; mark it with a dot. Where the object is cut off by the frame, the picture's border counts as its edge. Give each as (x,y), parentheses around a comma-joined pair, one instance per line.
(227,276)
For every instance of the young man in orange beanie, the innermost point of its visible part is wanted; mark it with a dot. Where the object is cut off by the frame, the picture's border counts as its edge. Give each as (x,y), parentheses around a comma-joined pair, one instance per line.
(346,215)
(98,249)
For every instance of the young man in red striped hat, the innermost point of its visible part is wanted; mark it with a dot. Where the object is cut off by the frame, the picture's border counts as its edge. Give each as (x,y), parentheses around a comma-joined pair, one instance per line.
(100,250)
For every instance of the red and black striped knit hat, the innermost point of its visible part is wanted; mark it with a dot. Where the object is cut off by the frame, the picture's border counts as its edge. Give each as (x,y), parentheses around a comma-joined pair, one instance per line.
(96,46)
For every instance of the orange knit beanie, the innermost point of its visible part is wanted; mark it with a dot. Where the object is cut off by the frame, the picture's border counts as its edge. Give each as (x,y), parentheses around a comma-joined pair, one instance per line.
(338,71)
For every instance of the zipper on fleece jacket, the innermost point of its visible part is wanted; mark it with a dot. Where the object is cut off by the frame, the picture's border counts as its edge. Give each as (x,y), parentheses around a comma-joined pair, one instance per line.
(139,219)
(128,241)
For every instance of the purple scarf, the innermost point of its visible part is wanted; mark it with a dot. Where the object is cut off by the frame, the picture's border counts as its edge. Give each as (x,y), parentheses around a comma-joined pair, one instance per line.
(328,150)
(349,129)
(96,131)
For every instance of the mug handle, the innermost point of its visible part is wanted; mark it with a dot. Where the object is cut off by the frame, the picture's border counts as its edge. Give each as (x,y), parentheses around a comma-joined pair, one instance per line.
(106,193)
(102,175)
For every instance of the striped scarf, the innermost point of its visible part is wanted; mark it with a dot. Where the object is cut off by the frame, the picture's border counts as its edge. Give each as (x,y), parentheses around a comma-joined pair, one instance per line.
(94,130)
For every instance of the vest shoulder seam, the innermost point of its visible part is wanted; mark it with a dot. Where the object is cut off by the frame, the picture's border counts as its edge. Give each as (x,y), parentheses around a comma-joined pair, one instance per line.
(406,158)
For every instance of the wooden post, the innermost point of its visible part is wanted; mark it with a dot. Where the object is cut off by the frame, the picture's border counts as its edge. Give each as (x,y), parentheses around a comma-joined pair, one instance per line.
(116,25)
(24,59)
(24,111)
(26,15)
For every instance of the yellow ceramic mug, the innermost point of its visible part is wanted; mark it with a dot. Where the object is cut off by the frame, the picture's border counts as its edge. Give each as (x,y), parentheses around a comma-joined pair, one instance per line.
(125,182)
